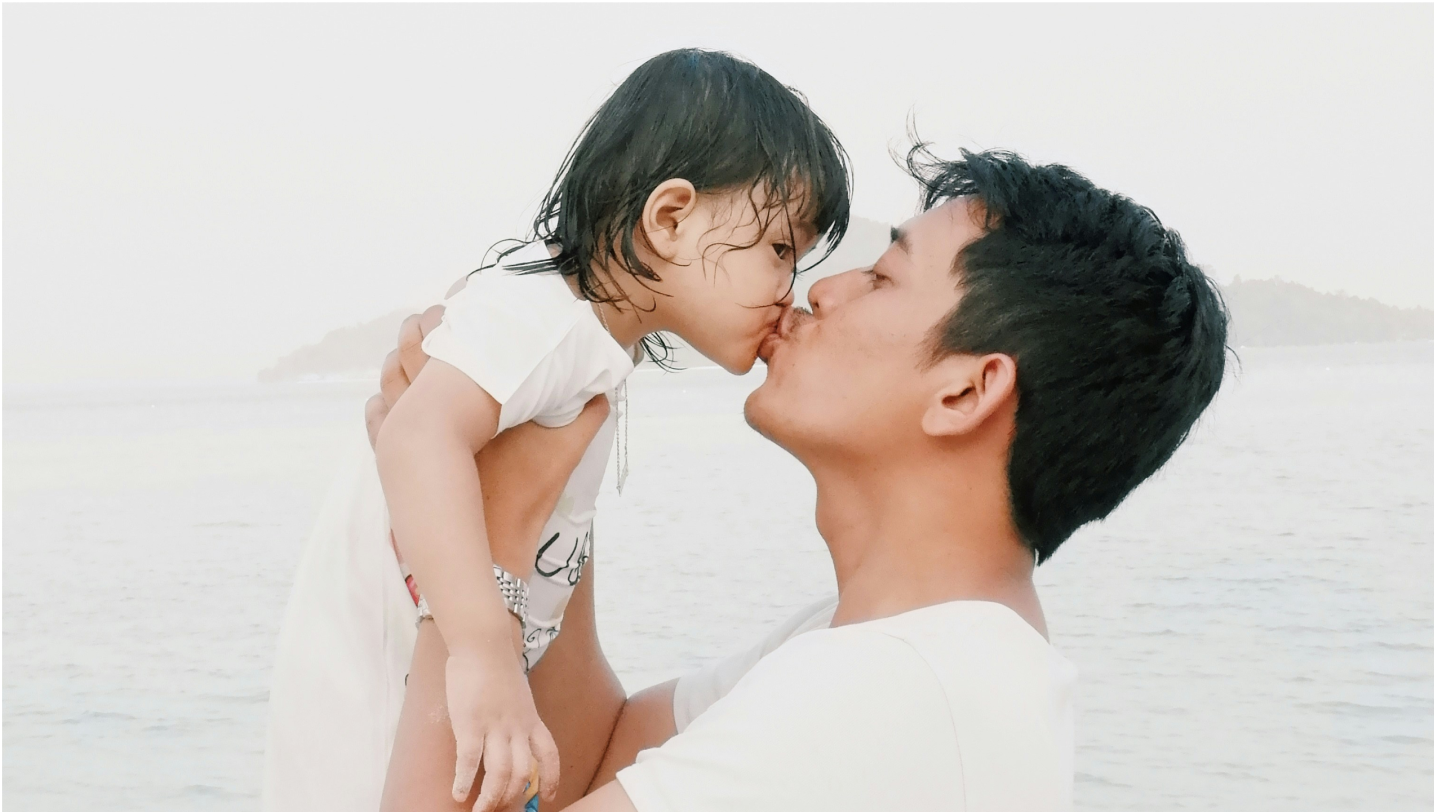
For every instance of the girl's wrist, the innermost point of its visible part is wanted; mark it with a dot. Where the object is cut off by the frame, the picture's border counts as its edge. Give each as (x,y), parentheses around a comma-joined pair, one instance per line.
(489,639)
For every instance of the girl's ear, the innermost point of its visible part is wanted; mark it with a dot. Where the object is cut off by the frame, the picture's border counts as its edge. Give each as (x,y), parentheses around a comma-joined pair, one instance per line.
(672,202)
(971,389)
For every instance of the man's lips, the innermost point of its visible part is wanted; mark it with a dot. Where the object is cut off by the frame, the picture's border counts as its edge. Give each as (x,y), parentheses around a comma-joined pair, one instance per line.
(781,331)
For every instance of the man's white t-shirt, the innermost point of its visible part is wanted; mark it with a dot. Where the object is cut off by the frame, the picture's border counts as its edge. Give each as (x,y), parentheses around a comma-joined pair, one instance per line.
(957,706)
(542,354)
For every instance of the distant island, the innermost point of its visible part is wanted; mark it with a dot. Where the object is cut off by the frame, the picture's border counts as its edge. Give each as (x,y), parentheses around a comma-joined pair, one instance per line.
(1276,313)
(355,351)
(1264,313)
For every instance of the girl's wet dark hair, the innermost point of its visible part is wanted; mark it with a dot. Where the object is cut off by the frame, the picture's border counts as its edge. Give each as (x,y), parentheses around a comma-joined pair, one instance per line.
(707,117)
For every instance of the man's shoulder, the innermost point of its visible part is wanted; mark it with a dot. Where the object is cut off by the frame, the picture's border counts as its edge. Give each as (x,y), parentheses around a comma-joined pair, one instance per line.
(827,721)
(987,659)
(929,693)
(959,644)
(853,654)
(997,685)
(696,691)
(826,681)
(1008,694)
(956,632)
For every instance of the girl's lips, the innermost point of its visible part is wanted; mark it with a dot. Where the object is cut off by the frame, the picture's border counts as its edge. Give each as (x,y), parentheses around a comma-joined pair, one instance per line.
(768,345)
(780,331)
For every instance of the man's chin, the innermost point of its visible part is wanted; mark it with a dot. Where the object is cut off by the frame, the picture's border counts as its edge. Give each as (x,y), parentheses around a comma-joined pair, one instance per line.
(776,422)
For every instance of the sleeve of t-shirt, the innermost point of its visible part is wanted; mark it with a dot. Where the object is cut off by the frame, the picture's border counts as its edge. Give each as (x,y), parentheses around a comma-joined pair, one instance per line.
(521,338)
(840,719)
(696,691)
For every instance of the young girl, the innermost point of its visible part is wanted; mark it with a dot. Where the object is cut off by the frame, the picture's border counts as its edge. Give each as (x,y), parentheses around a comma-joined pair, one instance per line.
(684,206)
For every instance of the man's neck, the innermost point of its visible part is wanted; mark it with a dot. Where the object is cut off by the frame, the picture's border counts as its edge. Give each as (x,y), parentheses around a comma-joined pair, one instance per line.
(914,535)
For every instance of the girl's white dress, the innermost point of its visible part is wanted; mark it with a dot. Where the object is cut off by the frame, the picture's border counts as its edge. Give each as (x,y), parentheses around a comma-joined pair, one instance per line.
(349,630)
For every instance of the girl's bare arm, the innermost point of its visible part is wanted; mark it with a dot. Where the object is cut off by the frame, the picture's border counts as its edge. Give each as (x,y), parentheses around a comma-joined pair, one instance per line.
(577,694)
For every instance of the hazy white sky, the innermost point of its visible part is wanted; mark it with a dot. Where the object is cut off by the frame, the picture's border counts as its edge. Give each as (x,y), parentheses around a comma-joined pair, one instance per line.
(193,191)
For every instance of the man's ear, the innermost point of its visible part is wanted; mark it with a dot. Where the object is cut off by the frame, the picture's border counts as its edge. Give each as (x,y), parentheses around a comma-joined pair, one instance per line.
(972,388)
(667,207)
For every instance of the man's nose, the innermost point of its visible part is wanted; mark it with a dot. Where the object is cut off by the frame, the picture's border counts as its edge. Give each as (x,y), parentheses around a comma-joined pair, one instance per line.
(829,293)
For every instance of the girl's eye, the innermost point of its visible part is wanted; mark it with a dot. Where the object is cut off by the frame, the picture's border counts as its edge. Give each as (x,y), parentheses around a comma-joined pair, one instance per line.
(783,250)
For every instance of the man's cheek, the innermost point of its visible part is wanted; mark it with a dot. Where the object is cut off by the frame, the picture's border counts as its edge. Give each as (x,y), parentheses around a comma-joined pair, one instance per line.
(841,355)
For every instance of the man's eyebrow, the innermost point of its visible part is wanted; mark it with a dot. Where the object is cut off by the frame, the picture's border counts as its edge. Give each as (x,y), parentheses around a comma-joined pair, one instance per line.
(902,240)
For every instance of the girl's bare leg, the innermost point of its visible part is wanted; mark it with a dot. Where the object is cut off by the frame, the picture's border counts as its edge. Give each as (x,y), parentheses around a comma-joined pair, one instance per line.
(578,698)
(420,770)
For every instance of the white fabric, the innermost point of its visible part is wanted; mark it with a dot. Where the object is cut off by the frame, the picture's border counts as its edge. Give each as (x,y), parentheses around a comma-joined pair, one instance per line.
(565,544)
(348,633)
(343,653)
(531,344)
(697,690)
(958,706)
(542,353)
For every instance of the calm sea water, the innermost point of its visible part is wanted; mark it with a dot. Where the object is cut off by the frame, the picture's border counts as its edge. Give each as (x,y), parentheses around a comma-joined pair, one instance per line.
(1254,628)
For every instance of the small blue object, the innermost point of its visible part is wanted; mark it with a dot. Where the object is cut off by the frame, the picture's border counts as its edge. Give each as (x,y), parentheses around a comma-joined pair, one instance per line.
(532,805)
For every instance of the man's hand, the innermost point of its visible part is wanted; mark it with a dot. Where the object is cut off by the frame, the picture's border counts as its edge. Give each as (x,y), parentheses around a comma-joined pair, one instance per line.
(400,367)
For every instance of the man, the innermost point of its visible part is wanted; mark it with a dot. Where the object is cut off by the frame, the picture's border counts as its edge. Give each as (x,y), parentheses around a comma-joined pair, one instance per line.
(1029,350)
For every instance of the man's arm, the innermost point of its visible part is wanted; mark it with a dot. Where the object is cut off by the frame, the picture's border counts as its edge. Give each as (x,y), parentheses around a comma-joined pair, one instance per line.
(646,721)
(609,798)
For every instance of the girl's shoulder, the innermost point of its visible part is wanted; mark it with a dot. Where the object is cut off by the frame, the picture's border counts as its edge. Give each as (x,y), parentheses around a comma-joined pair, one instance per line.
(512,324)
(518,287)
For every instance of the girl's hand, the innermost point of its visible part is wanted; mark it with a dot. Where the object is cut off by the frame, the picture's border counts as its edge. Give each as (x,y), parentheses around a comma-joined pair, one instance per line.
(495,723)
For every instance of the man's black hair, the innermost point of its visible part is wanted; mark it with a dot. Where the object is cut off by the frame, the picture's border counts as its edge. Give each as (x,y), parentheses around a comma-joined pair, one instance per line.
(1118,339)
(717,121)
